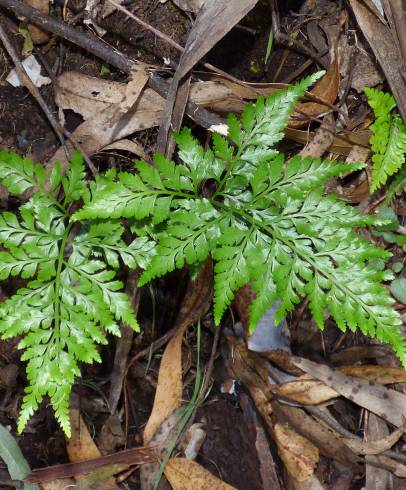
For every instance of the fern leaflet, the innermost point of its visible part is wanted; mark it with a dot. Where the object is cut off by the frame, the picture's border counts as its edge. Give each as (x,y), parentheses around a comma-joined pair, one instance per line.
(388,141)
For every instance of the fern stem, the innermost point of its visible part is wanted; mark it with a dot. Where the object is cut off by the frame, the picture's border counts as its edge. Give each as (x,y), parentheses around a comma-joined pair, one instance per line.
(57,302)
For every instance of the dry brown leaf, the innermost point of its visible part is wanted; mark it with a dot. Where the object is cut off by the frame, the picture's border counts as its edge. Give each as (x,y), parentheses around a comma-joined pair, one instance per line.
(213,21)
(322,140)
(376,478)
(299,455)
(168,395)
(81,447)
(184,474)
(342,143)
(327,89)
(38,35)
(62,484)
(101,106)
(310,391)
(306,391)
(382,375)
(396,467)
(130,146)
(387,52)
(326,439)
(374,447)
(386,403)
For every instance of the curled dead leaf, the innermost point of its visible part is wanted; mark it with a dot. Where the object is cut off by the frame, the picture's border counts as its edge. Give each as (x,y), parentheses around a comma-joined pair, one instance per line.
(299,455)
(374,447)
(306,391)
(326,88)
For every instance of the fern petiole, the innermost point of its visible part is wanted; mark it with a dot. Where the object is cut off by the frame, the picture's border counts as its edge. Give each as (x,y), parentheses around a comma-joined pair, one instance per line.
(229,171)
(57,303)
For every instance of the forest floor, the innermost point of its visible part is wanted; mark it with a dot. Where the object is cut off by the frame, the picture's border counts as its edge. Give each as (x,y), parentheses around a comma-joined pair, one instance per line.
(252,430)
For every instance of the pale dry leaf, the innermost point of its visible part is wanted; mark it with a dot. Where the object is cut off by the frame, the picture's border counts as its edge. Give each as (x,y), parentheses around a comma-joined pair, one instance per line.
(61,484)
(194,439)
(382,375)
(374,447)
(306,391)
(312,483)
(384,402)
(298,454)
(168,395)
(395,467)
(81,447)
(184,474)
(310,391)
(326,439)
(130,146)
(376,478)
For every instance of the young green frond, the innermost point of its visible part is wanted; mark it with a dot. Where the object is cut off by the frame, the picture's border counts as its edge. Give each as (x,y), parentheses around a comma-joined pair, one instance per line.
(75,300)
(388,141)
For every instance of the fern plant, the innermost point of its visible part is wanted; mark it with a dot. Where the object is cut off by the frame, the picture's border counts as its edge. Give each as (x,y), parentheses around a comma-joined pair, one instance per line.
(263,219)
(388,141)
(71,298)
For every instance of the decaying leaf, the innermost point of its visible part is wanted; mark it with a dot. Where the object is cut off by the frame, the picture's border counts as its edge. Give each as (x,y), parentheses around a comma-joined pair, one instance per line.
(396,467)
(188,5)
(81,447)
(130,146)
(298,454)
(306,391)
(168,395)
(377,446)
(384,402)
(184,474)
(327,89)
(382,375)
(376,478)
(324,438)
(310,391)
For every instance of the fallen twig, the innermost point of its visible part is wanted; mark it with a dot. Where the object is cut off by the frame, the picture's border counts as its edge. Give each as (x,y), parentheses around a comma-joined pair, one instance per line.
(134,456)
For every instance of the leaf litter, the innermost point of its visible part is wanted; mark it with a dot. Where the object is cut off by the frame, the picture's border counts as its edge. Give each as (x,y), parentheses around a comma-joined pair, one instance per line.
(299,411)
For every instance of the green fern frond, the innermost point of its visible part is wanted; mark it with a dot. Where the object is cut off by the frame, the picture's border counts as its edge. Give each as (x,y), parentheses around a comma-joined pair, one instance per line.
(264,221)
(388,140)
(397,186)
(75,300)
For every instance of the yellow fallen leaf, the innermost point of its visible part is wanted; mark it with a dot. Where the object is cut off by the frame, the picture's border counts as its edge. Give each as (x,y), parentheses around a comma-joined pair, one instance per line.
(298,454)
(185,474)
